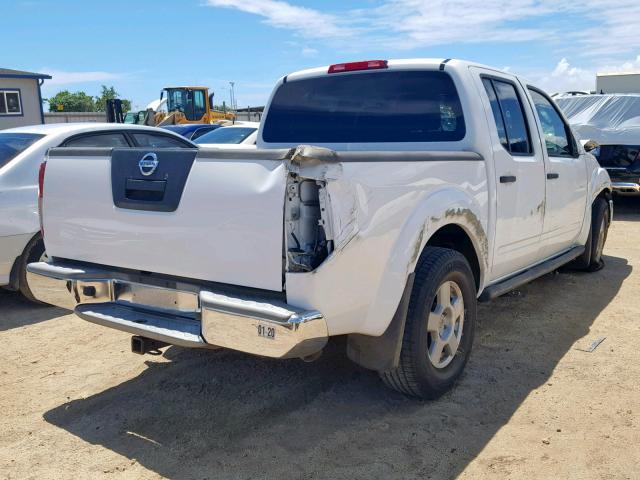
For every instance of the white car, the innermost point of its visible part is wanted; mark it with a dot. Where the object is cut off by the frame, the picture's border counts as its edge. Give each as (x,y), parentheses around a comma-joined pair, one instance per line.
(384,199)
(21,153)
(240,135)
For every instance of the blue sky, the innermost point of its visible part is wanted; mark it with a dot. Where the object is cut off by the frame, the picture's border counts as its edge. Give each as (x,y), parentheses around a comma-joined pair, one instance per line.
(139,46)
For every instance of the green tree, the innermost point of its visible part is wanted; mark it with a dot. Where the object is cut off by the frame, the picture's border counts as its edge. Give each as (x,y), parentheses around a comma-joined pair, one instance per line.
(66,101)
(109,93)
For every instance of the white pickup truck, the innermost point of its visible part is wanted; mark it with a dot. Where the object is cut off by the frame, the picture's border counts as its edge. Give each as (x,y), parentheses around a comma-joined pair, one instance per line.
(383,200)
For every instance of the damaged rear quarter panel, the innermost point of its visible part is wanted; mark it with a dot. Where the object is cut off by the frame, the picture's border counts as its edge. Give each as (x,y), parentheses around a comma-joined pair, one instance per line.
(384,213)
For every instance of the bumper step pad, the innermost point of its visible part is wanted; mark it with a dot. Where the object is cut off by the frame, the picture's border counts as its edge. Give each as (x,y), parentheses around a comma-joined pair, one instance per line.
(171,329)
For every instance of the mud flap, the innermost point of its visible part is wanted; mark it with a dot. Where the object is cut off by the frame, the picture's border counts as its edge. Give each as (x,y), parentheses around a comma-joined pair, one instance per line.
(382,353)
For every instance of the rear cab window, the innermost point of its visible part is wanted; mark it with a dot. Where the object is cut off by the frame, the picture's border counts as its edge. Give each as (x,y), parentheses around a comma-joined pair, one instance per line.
(366,107)
(13,144)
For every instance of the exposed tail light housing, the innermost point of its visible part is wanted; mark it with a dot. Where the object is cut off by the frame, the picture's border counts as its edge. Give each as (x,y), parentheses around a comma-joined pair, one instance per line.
(353,66)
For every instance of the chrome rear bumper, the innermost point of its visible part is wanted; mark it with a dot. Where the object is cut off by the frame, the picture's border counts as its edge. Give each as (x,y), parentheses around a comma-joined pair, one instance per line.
(626,188)
(180,313)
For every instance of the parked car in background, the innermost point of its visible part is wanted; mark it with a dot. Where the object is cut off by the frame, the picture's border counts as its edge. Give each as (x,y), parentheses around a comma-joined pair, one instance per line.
(238,135)
(384,199)
(22,150)
(609,125)
(191,131)
(623,164)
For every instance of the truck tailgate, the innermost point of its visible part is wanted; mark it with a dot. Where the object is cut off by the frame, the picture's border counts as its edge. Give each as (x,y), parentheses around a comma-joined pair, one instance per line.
(196,216)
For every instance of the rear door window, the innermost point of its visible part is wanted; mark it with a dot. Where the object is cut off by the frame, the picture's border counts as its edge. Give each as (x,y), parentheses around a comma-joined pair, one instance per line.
(497,113)
(366,107)
(98,140)
(158,141)
(13,144)
(513,117)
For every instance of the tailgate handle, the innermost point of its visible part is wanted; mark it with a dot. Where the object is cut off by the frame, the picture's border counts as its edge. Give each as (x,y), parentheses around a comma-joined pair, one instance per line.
(145,190)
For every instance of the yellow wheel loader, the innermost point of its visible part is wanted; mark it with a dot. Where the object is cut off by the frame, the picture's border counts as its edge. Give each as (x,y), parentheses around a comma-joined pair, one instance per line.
(189,105)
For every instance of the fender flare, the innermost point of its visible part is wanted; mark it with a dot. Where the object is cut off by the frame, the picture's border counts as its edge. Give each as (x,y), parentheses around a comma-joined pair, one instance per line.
(443,207)
(382,353)
(599,181)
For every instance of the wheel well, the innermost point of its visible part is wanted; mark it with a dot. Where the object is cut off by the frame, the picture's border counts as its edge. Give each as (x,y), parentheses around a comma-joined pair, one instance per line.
(604,193)
(14,280)
(454,237)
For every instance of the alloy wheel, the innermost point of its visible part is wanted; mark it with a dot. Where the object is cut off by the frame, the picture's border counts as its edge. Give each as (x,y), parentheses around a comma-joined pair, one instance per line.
(445,323)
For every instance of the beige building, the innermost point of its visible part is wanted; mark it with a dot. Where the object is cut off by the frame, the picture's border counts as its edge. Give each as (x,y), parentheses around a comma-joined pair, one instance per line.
(20,98)
(618,82)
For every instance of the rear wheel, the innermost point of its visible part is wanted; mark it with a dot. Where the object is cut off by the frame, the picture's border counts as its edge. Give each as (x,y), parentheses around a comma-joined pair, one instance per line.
(439,327)
(33,252)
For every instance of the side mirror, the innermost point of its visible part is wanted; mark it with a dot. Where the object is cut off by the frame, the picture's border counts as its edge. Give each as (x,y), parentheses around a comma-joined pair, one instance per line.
(591,145)
(211,101)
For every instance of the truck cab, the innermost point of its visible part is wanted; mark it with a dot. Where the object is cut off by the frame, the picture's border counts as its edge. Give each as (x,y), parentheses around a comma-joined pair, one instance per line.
(383,200)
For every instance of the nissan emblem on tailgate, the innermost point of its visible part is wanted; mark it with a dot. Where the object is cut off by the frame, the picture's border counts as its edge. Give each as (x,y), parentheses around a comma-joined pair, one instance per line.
(148,164)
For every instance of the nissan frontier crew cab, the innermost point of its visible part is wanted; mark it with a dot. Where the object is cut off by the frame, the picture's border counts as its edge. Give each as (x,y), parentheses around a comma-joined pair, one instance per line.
(383,200)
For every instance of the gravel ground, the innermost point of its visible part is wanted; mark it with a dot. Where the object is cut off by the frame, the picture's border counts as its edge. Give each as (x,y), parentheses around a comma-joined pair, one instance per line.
(76,403)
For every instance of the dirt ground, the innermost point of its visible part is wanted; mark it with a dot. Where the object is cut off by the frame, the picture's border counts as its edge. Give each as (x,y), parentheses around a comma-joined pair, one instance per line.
(75,403)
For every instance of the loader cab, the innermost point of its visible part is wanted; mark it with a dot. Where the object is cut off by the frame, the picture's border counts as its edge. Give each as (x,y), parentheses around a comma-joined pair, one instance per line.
(193,103)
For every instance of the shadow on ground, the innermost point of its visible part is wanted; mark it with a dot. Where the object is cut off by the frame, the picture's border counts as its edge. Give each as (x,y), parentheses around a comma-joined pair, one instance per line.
(16,311)
(226,415)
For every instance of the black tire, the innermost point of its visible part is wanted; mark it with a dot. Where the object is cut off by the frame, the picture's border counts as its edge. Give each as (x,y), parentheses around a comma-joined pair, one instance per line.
(416,374)
(32,253)
(591,259)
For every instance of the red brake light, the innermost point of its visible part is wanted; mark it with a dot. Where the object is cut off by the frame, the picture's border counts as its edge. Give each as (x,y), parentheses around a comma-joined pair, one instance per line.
(43,167)
(352,66)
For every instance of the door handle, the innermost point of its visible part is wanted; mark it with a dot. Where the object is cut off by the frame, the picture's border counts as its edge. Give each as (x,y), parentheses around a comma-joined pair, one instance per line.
(507,179)
(145,185)
(552,176)
(145,190)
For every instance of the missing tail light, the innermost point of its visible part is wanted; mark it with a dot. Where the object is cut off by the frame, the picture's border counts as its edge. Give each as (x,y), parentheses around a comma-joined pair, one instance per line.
(306,236)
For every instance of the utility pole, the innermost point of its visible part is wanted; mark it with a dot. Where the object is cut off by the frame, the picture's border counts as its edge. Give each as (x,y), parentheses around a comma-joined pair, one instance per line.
(232,94)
